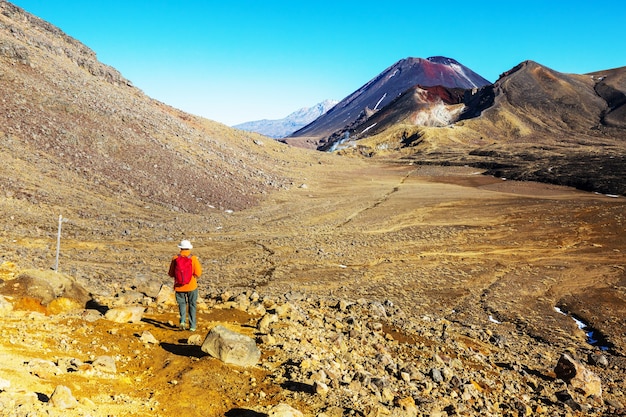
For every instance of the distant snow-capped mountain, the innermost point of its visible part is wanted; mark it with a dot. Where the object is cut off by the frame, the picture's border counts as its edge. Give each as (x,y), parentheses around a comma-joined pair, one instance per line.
(284,127)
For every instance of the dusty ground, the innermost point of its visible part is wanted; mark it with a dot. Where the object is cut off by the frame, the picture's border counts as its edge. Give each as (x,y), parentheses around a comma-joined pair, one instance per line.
(444,242)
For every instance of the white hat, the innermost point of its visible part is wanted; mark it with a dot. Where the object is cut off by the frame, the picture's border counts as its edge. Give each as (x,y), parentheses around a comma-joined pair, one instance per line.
(185,244)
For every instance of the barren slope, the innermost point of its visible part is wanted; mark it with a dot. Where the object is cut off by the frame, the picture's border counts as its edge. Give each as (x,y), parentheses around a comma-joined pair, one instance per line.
(66,120)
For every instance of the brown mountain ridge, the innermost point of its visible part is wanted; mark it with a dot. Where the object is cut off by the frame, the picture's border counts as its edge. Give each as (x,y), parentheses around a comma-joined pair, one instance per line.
(534,124)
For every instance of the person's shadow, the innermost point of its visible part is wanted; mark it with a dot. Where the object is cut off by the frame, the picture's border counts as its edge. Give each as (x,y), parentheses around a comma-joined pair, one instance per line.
(159,324)
(184,349)
(242,412)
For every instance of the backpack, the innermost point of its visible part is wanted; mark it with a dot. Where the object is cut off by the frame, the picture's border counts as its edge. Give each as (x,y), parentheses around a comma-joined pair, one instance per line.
(183,271)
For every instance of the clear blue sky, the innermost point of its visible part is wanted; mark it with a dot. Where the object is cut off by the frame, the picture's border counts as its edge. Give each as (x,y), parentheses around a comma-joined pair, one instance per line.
(235,61)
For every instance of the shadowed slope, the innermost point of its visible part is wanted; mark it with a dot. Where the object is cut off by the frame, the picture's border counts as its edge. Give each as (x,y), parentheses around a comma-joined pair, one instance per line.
(612,88)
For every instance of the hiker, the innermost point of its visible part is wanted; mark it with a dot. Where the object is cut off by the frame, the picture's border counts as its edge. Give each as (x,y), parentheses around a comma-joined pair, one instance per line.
(185,268)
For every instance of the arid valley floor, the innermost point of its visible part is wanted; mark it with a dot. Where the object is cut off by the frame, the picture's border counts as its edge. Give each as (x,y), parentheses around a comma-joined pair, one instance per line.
(483,255)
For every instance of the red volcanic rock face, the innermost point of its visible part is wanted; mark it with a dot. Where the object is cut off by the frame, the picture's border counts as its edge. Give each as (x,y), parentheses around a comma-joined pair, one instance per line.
(446,95)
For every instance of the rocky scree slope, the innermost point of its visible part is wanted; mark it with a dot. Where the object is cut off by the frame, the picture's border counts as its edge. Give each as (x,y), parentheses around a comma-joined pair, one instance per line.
(321,356)
(61,108)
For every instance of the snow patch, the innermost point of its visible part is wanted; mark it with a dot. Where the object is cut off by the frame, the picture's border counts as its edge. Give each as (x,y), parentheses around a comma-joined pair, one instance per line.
(592,338)
(459,70)
(368,128)
(491,319)
(379,101)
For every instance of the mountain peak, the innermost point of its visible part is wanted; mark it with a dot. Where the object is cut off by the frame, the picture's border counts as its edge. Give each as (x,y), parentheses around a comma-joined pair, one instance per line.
(442,60)
(388,85)
(284,127)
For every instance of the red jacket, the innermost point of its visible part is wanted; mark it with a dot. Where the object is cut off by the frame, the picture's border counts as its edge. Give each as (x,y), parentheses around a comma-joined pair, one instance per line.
(196,271)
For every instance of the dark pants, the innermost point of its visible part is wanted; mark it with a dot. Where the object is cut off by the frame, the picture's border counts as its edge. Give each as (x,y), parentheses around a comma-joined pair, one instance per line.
(187,298)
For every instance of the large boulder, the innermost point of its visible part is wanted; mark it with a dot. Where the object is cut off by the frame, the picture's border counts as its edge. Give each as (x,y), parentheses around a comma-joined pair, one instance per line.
(231,347)
(45,286)
(125,314)
(578,377)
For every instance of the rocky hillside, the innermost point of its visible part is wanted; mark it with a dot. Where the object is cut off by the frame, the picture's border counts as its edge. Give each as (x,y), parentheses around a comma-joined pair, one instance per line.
(68,121)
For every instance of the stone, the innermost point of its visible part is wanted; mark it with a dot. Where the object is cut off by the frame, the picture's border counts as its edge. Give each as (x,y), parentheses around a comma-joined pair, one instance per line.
(166,296)
(256,309)
(407,405)
(105,363)
(264,324)
(42,368)
(231,347)
(578,376)
(4,384)
(435,374)
(62,398)
(63,305)
(91,315)
(128,297)
(598,359)
(70,364)
(146,285)
(284,410)
(147,337)
(5,306)
(47,285)
(194,340)
(125,314)
(320,388)
(283,309)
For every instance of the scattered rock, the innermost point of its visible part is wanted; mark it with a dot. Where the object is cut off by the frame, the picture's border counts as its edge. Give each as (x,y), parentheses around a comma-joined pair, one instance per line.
(284,410)
(231,347)
(579,377)
(125,314)
(62,398)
